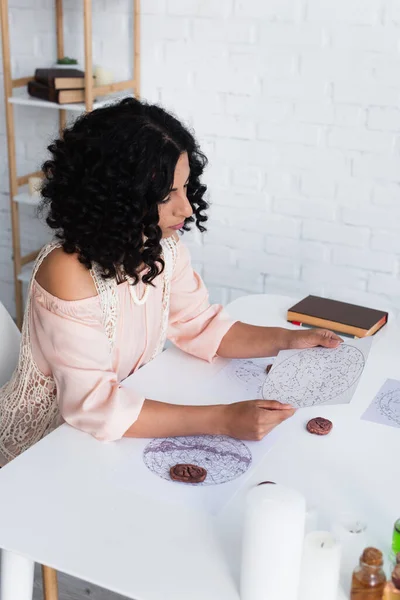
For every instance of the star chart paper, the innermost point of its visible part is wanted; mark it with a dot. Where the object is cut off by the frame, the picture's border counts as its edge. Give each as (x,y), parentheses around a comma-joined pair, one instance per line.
(317,376)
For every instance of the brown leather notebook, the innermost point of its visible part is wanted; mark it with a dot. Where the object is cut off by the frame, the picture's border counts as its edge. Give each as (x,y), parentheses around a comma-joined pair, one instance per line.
(342,317)
(44,92)
(61,79)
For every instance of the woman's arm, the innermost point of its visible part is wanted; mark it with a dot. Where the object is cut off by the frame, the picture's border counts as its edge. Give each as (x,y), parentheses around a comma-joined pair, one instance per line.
(159,419)
(205,330)
(248,420)
(250,341)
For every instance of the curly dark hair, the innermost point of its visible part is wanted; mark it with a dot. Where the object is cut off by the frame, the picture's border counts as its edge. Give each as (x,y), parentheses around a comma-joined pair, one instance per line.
(108,174)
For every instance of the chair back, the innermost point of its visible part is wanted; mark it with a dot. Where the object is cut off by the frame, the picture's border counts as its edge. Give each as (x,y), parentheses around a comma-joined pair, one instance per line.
(9,345)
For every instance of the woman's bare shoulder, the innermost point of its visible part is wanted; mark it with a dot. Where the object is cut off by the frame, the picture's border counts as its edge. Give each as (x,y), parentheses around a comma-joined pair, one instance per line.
(63,276)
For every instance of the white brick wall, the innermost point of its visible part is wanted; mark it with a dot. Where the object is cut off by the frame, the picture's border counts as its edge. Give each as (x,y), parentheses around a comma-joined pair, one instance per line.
(296,103)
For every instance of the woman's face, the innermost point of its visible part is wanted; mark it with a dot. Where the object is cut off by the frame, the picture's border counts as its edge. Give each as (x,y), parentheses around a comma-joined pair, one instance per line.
(176,207)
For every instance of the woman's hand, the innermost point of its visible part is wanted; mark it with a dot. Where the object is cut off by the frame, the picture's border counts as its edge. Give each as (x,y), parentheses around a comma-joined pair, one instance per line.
(309,338)
(254,419)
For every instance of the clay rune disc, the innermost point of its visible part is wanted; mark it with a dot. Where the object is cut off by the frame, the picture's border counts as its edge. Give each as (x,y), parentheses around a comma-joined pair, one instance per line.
(319,426)
(188,473)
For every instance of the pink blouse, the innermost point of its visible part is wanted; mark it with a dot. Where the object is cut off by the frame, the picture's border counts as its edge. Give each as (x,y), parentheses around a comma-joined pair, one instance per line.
(70,343)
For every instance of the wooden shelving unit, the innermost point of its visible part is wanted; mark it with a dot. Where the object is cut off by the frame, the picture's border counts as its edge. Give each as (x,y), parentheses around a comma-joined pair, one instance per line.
(18,183)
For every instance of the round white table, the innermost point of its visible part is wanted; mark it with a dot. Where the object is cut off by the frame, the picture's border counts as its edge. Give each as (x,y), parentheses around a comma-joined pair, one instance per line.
(68,503)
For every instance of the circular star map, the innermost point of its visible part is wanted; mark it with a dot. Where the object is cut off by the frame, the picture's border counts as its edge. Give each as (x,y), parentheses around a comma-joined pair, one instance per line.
(315,376)
(223,457)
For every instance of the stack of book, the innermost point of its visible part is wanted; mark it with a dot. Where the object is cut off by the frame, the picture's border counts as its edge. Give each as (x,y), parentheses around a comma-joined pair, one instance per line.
(63,86)
(342,317)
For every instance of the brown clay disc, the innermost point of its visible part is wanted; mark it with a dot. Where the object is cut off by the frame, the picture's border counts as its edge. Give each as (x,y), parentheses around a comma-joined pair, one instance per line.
(319,426)
(188,473)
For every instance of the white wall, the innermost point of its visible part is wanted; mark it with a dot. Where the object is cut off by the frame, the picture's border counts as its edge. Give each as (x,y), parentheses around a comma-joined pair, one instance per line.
(296,103)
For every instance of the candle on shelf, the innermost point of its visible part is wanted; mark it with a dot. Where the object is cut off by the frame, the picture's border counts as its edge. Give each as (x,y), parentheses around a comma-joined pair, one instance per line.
(34,185)
(103,76)
(320,567)
(273,538)
(351,532)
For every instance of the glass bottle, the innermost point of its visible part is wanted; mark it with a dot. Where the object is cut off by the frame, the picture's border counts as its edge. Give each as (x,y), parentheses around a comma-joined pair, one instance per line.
(392,588)
(396,537)
(368,579)
(395,544)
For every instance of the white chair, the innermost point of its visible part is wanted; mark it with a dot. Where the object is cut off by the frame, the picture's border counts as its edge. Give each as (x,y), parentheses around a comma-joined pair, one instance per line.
(9,350)
(9,345)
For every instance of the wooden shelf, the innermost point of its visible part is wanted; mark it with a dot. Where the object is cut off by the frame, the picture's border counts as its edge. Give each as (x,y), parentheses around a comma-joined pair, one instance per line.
(16,94)
(24,99)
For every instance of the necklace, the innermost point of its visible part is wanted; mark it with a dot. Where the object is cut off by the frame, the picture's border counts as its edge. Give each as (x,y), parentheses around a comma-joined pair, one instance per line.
(136,300)
(171,244)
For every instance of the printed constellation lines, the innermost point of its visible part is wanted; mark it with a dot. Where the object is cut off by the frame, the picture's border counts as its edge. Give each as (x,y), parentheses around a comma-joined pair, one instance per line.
(388,405)
(250,373)
(314,376)
(223,457)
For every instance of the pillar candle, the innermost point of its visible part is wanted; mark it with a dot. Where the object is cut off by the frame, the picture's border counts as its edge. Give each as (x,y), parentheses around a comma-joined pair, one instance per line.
(351,532)
(311,519)
(34,185)
(103,76)
(273,537)
(320,567)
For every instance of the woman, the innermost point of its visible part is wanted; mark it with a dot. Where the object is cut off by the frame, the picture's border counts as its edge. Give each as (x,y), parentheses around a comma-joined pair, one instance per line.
(120,184)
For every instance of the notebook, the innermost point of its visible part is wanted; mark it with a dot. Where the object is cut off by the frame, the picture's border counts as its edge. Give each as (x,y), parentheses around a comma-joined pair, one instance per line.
(349,319)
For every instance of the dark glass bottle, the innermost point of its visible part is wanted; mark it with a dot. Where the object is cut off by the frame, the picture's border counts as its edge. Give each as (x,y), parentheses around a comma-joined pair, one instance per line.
(392,588)
(369,579)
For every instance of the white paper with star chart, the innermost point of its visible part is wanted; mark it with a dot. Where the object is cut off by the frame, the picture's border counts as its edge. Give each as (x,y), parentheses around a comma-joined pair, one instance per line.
(317,376)
(385,407)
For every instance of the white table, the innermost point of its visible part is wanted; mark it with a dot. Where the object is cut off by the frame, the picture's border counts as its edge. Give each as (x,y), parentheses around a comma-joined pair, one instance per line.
(63,503)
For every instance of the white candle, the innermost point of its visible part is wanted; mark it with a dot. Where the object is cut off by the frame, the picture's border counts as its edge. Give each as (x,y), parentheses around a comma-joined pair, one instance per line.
(311,519)
(103,76)
(352,534)
(34,185)
(320,567)
(272,543)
